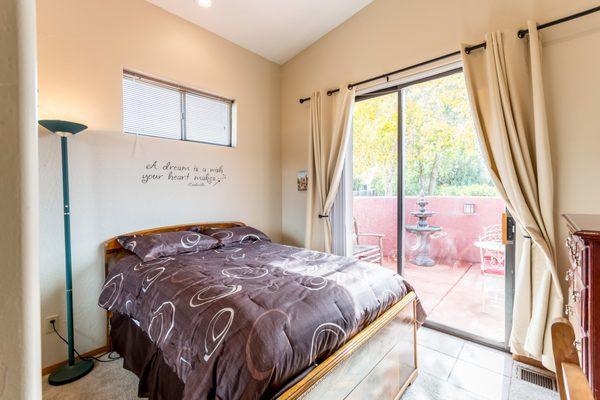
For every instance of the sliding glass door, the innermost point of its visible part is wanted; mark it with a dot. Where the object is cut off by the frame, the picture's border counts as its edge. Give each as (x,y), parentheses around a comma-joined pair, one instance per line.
(424,205)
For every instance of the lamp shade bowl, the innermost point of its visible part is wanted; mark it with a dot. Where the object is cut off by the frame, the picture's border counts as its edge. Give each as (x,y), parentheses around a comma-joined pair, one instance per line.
(62,127)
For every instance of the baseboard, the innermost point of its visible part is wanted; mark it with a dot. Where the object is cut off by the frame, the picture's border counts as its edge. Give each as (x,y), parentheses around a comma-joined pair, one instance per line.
(529,361)
(49,369)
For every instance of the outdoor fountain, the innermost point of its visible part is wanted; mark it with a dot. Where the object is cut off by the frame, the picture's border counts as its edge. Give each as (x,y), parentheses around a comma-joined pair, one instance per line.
(423,231)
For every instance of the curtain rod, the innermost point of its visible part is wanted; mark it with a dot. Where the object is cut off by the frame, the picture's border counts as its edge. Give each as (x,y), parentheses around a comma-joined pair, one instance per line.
(329,93)
(524,32)
(388,74)
(521,34)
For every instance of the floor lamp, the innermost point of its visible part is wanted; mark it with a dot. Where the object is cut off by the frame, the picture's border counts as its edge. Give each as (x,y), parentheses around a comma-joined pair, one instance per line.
(73,370)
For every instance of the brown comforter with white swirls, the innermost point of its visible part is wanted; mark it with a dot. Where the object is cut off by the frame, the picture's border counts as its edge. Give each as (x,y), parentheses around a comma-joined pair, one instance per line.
(239,322)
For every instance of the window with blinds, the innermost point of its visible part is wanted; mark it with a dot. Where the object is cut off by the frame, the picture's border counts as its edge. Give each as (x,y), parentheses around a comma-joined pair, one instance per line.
(156,108)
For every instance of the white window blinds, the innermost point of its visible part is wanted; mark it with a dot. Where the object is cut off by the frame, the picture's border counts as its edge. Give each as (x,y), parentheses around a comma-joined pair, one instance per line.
(207,120)
(151,110)
(155,108)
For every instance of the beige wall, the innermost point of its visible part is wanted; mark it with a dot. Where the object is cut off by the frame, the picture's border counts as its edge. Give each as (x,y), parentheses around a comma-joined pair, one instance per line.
(572,82)
(83,47)
(390,34)
(19,286)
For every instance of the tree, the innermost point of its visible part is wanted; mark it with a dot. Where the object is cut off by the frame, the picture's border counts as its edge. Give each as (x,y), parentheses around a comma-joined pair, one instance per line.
(441,149)
(375,147)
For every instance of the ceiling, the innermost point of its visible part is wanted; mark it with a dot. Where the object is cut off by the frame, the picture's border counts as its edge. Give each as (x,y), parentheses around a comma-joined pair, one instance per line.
(275,29)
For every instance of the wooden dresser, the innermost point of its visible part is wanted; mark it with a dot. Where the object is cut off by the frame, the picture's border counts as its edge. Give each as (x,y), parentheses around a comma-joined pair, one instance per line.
(583,306)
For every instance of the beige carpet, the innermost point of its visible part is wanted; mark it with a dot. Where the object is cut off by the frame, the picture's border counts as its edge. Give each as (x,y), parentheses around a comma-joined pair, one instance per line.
(107,381)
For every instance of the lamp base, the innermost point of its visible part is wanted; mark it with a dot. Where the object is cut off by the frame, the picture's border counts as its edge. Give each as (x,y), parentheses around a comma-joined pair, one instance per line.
(69,373)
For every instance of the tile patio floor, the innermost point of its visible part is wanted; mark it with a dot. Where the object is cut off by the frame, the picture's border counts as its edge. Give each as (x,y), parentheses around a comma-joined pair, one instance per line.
(458,295)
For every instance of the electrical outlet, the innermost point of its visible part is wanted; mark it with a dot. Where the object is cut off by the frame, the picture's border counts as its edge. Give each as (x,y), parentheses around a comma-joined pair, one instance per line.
(49,320)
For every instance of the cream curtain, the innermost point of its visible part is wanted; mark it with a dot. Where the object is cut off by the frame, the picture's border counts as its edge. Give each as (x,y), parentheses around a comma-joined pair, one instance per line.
(505,88)
(327,151)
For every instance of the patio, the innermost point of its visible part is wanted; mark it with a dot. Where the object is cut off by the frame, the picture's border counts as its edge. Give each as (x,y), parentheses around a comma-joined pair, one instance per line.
(454,292)
(460,296)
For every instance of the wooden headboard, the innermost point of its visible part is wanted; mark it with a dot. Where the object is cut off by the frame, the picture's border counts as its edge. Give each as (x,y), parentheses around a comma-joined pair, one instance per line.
(112,248)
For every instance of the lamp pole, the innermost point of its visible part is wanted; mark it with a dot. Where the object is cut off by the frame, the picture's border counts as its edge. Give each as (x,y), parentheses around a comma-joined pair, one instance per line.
(68,269)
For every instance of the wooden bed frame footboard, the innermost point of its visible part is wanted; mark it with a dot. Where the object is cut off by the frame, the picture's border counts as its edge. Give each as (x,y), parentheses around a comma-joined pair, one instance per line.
(379,362)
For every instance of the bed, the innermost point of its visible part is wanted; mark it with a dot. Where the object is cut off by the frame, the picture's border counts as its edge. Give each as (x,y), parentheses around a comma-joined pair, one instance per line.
(255,319)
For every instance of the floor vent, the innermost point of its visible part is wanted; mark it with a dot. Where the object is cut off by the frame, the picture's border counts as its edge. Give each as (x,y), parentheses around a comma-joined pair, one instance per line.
(545,380)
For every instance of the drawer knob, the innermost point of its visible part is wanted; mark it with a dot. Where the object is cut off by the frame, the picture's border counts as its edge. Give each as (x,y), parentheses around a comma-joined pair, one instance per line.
(569,276)
(568,310)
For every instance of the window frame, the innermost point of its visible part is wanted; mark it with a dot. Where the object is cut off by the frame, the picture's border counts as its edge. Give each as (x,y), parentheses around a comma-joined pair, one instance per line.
(183,91)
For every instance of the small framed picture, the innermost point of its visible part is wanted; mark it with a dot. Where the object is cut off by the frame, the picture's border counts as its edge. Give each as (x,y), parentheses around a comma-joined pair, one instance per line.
(302,181)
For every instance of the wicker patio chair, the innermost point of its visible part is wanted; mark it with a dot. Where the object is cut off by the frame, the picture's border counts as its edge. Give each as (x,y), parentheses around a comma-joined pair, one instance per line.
(367,252)
(491,250)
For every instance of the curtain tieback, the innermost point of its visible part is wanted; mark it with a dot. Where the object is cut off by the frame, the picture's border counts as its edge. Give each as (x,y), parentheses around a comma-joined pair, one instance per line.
(323,216)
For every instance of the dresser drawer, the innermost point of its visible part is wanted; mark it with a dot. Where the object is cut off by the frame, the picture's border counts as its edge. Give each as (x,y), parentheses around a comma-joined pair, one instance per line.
(573,313)
(577,302)
(576,251)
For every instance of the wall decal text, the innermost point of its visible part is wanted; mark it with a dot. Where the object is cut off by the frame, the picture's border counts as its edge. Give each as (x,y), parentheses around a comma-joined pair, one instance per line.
(182,173)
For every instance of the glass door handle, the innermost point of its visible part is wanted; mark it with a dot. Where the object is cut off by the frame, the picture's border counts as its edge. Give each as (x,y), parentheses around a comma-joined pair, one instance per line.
(508,228)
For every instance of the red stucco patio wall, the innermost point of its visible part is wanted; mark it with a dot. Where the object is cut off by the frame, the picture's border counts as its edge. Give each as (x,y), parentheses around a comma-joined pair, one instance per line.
(459,230)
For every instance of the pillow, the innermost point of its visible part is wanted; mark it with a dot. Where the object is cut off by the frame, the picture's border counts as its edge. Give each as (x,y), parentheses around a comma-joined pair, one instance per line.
(151,247)
(237,234)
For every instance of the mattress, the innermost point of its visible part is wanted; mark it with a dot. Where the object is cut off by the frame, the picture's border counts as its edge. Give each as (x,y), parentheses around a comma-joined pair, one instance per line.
(242,321)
